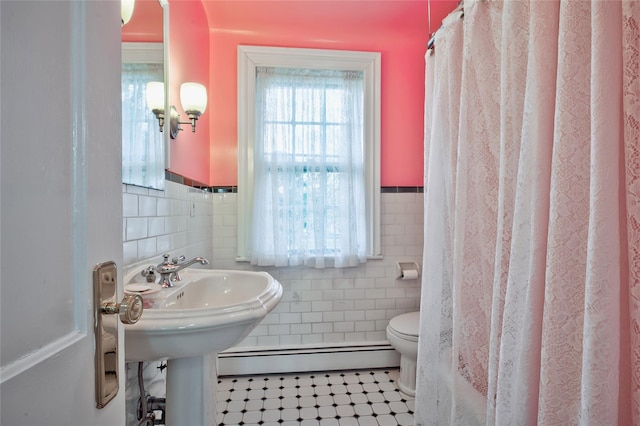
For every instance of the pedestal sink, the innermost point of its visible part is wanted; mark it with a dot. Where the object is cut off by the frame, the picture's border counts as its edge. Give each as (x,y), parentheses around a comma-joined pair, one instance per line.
(206,312)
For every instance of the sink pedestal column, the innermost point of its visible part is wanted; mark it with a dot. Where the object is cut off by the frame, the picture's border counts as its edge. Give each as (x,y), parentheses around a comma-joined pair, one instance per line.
(191,391)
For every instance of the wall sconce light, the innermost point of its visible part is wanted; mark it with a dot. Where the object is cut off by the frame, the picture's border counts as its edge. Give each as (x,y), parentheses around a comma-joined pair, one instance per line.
(193,97)
(126,10)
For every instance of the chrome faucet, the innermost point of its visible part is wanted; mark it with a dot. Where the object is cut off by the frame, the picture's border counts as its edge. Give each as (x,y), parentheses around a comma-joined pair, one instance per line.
(169,270)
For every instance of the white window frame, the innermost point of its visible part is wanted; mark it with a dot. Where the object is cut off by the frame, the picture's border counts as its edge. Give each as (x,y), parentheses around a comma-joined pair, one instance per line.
(251,57)
(142,53)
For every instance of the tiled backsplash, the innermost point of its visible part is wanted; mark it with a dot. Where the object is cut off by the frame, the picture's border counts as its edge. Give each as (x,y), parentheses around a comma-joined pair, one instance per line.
(177,221)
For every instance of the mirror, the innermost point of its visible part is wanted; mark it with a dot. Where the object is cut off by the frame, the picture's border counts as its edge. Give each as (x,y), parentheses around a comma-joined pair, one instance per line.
(144,59)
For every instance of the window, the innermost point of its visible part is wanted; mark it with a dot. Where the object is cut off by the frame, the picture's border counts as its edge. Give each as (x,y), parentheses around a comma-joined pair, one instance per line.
(142,142)
(308,156)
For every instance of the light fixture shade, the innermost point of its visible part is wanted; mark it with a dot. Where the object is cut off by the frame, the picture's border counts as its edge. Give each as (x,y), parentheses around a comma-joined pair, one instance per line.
(155,95)
(193,97)
(126,10)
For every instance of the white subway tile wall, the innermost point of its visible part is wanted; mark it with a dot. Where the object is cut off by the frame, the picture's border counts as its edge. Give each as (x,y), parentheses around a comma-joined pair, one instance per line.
(333,306)
(177,221)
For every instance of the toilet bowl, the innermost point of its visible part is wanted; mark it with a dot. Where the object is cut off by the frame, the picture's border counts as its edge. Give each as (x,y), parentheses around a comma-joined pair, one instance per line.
(402,333)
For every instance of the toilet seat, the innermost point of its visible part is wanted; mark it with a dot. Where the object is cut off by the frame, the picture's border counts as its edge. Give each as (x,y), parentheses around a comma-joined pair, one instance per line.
(406,326)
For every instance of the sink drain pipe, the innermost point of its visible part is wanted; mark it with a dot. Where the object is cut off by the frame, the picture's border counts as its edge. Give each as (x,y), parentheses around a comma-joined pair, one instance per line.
(148,405)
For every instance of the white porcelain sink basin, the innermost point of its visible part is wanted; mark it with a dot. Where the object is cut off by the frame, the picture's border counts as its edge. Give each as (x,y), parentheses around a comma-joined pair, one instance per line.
(207,312)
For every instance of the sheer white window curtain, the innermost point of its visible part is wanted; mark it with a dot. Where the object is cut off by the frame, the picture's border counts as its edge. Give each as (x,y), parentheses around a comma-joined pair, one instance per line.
(309,182)
(142,145)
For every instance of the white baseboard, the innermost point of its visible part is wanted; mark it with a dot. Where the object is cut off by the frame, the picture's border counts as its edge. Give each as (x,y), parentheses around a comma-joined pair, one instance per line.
(306,359)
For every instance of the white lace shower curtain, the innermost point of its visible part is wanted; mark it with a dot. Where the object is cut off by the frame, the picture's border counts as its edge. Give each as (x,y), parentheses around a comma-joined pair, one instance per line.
(530,307)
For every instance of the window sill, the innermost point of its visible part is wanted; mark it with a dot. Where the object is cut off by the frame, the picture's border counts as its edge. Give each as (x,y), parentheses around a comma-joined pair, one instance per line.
(241,259)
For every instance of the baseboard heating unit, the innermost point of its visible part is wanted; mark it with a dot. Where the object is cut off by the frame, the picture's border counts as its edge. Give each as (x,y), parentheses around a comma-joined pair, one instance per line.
(240,361)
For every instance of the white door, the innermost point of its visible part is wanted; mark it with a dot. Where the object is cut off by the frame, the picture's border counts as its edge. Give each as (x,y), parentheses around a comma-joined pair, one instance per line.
(60,205)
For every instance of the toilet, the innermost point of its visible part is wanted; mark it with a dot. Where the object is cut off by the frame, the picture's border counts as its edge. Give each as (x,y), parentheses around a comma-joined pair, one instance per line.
(402,333)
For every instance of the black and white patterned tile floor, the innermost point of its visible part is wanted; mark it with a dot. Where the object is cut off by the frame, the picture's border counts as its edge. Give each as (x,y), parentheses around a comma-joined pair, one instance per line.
(353,398)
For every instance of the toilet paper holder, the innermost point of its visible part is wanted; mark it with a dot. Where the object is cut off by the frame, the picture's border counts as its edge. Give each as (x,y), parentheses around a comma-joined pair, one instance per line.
(408,270)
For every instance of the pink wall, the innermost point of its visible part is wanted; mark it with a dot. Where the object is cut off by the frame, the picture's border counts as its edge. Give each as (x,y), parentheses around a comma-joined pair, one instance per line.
(189,61)
(397,29)
(204,35)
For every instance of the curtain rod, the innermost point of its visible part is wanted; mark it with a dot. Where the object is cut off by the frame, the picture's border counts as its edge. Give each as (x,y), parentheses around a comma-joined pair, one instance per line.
(432,41)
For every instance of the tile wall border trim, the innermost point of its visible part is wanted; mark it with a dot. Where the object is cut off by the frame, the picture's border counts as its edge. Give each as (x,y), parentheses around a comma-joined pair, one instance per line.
(172,177)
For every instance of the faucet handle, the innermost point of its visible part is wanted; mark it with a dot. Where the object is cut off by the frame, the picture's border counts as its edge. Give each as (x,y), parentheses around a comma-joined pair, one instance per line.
(149,273)
(166,259)
(175,260)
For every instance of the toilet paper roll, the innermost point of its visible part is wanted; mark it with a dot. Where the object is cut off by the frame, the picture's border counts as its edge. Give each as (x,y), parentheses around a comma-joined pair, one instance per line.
(410,274)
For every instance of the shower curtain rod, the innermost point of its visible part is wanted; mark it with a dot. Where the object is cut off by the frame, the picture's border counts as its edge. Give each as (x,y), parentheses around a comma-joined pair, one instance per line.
(432,41)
